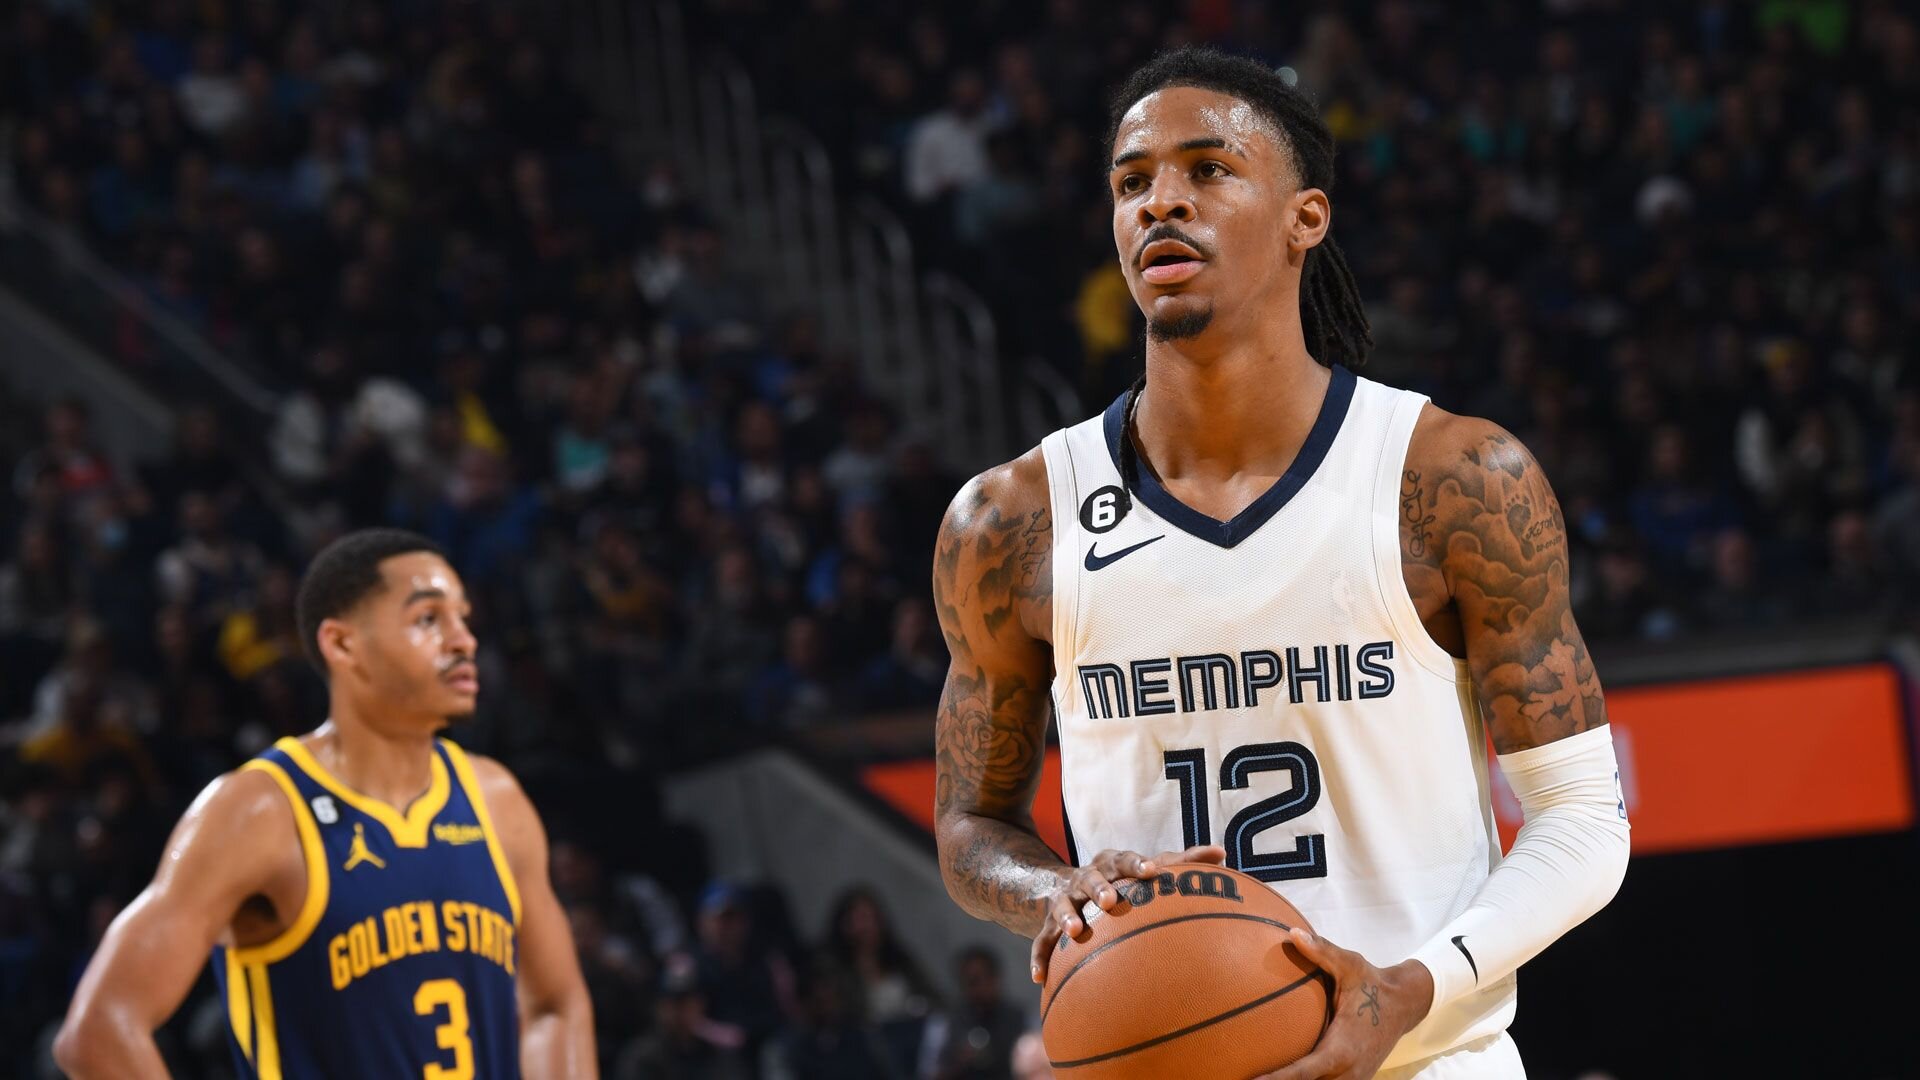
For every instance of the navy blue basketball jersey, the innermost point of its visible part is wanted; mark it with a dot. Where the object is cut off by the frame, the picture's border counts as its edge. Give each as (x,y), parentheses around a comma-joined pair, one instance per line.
(401,961)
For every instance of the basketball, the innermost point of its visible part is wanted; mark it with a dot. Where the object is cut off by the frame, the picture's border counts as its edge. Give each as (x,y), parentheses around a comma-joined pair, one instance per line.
(1191,974)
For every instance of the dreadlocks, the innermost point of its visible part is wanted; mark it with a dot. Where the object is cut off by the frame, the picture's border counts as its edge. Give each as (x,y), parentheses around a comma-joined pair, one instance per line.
(1331,316)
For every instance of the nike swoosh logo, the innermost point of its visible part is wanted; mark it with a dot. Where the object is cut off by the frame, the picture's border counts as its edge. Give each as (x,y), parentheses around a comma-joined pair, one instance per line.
(1458,943)
(1095,560)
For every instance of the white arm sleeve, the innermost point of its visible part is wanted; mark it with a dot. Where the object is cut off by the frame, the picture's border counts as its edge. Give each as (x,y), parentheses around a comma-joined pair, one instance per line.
(1566,863)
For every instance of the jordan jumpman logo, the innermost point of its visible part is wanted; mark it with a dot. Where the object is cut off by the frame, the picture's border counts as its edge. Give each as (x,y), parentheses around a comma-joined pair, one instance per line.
(358,852)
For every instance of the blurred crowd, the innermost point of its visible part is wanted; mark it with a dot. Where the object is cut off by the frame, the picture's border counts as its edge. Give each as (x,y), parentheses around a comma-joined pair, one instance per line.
(1675,249)
(681,522)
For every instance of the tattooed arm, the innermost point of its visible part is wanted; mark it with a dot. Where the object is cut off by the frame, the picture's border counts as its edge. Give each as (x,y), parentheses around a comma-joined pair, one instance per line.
(993,592)
(1484,549)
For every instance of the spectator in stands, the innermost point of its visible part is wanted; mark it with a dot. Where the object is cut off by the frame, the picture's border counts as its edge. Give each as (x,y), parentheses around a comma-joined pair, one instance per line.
(685,1044)
(619,976)
(888,992)
(1856,578)
(910,674)
(1673,510)
(210,97)
(947,149)
(1737,596)
(36,594)
(486,519)
(1625,600)
(342,436)
(744,983)
(828,1041)
(80,468)
(1799,447)
(977,1040)
(89,667)
(91,730)
(209,571)
(799,690)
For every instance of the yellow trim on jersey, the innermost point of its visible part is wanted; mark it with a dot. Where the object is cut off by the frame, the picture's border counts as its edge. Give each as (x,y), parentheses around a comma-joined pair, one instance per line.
(472,786)
(296,935)
(267,1063)
(409,830)
(239,1010)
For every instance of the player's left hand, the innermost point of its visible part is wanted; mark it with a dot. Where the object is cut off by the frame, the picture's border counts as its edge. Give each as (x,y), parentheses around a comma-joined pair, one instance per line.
(1372,1008)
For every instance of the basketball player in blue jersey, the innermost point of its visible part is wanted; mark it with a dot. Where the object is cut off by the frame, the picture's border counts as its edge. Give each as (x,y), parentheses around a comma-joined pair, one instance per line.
(375,900)
(1279,611)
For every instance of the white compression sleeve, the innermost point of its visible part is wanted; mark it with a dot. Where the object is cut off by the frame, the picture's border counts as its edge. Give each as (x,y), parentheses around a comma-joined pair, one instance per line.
(1566,863)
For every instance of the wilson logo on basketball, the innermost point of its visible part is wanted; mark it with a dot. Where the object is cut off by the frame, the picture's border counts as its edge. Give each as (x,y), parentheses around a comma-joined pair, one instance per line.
(1189,883)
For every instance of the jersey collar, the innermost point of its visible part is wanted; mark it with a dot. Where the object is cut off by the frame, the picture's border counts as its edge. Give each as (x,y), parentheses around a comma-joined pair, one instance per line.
(1226,534)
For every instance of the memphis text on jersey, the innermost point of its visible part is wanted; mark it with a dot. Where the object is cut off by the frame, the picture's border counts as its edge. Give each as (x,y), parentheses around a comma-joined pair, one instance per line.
(1184,684)
(412,929)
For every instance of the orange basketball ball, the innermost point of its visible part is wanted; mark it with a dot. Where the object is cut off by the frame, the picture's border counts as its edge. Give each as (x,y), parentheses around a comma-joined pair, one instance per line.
(1191,975)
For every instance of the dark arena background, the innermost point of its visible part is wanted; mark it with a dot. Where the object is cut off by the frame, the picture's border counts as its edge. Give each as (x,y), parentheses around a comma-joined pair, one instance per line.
(679,323)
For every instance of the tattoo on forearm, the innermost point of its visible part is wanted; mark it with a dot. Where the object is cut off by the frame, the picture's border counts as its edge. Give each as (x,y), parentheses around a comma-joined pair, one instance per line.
(1499,540)
(1370,1003)
(990,732)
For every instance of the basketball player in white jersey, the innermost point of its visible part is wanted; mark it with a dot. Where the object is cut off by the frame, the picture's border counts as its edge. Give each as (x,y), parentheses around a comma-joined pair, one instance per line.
(1278,610)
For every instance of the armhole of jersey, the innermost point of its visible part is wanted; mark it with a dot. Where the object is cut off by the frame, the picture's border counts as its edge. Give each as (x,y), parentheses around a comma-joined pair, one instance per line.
(1386,544)
(318,884)
(468,782)
(1062,498)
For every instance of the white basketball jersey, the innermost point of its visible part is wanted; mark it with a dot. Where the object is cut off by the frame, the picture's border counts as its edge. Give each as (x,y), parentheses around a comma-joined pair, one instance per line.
(1266,684)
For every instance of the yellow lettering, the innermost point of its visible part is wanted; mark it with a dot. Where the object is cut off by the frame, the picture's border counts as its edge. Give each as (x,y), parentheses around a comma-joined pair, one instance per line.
(486,935)
(337,962)
(424,925)
(357,950)
(507,933)
(472,911)
(456,930)
(379,957)
(395,921)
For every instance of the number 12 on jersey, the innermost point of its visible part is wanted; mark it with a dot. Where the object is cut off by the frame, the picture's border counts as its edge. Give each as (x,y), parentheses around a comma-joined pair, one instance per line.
(1308,859)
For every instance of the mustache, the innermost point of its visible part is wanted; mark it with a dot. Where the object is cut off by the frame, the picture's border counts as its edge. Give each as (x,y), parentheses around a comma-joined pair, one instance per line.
(458,660)
(1167,230)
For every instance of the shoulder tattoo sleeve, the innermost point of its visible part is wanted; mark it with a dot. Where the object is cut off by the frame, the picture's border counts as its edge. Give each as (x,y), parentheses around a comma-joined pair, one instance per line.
(1500,541)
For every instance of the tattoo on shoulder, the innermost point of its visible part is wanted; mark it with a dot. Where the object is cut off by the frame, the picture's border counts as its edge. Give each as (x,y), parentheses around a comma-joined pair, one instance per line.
(1503,551)
(1415,519)
(1010,555)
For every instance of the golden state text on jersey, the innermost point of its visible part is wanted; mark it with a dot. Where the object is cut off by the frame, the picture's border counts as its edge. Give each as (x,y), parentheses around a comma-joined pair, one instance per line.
(400,963)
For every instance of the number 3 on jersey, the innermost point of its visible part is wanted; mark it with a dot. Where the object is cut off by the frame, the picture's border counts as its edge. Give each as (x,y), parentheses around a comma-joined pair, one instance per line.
(452,1035)
(1308,859)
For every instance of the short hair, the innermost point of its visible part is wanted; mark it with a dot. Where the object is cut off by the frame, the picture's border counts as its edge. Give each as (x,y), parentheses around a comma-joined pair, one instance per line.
(345,573)
(1331,316)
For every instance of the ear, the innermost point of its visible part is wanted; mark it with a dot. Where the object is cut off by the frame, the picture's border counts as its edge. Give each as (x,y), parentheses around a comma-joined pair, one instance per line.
(338,643)
(1312,217)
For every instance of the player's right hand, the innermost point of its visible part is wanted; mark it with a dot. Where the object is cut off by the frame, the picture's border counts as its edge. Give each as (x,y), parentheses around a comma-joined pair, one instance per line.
(1094,881)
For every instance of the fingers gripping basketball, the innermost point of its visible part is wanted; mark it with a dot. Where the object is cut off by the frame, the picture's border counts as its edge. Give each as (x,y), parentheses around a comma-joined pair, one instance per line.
(1192,971)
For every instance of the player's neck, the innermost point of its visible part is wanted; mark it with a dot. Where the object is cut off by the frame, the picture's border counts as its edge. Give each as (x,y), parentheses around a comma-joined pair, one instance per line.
(393,766)
(1219,412)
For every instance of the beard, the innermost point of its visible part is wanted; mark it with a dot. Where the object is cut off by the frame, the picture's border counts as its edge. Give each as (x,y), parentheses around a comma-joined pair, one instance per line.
(1187,324)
